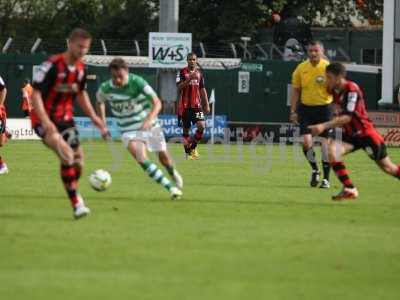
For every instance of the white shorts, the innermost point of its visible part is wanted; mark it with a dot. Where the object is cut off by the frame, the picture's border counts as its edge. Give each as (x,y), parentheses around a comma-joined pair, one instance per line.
(153,138)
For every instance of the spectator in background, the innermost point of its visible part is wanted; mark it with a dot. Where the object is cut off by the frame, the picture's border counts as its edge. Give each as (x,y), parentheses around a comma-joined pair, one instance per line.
(26,91)
(289,26)
(293,51)
(275,18)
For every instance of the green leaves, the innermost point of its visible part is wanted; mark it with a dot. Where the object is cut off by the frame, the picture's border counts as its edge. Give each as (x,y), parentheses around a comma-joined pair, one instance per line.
(208,20)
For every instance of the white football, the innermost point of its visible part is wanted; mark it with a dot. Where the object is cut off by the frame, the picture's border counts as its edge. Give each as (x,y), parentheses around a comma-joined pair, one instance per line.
(100,180)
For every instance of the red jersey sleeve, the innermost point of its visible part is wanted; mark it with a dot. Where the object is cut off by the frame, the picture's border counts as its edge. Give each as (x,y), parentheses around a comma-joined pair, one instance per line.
(180,76)
(83,81)
(350,103)
(44,77)
(201,83)
(2,84)
(352,99)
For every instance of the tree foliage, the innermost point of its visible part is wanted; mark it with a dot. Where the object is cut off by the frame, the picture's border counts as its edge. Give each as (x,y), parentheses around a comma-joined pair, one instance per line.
(209,20)
(221,19)
(338,13)
(119,19)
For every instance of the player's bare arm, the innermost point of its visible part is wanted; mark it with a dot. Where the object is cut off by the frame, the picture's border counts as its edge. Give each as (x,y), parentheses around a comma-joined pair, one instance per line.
(334,123)
(3,95)
(204,98)
(101,110)
(294,99)
(153,113)
(84,103)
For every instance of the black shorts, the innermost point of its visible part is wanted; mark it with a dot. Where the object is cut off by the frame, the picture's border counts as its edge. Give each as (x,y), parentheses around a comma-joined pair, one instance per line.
(372,144)
(191,116)
(26,113)
(67,130)
(311,115)
(3,123)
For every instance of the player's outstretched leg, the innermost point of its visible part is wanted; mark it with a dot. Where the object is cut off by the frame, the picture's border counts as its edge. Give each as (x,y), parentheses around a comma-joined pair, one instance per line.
(198,135)
(70,171)
(166,161)
(70,175)
(138,150)
(326,166)
(336,152)
(186,142)
(389,167)
(309,153)
(3,165)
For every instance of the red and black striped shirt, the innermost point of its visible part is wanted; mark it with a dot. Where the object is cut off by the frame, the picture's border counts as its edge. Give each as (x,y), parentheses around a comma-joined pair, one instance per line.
(190,95)
(351,101)
(59,84)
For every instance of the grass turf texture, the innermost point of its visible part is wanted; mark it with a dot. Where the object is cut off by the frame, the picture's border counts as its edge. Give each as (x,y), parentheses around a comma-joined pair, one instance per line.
(241,231)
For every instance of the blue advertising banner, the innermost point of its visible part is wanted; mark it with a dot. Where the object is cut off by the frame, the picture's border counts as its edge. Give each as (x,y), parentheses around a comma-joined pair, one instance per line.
(169,124)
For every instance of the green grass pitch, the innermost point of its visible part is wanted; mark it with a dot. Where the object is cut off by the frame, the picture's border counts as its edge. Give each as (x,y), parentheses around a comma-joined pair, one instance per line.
(248,227)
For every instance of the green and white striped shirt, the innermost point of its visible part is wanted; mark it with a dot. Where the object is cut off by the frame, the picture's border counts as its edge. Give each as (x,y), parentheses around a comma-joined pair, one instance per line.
(130,104)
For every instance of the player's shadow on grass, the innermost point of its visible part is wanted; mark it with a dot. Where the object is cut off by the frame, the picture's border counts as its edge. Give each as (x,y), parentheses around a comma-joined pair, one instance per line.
(259,185)
(15,216)
(284,203)
(29,217)
(187,200)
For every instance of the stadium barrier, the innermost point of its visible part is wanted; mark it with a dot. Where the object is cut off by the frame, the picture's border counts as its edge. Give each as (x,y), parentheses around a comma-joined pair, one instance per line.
(21,128)
(227,132)
(255,92)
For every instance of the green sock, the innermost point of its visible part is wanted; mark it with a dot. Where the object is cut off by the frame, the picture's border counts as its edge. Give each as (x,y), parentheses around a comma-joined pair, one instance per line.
(156,174)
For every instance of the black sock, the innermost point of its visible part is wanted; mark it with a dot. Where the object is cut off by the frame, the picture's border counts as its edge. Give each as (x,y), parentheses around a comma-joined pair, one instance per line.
(310,156)
(342,174)
(326,166)
(170,170)
(193,145)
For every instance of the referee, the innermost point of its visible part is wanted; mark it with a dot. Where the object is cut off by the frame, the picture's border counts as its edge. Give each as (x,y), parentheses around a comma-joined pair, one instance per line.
(311,104)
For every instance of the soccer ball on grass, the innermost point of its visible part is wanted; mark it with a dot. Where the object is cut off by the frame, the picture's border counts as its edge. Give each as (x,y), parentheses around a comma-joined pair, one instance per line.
(100,180)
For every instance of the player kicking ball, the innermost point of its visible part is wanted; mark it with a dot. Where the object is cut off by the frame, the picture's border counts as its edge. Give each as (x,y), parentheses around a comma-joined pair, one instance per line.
(56,85)
(136,106)
(358,131)
(193,104)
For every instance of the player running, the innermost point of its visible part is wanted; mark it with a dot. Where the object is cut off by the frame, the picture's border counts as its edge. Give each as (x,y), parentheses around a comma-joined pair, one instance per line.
(193,104)
(135,105)
(358,131)
(4,135)
(57,84)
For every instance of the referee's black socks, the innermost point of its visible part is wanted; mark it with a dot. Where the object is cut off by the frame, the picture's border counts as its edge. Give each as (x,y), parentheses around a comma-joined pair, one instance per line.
(326,167)
(310,156)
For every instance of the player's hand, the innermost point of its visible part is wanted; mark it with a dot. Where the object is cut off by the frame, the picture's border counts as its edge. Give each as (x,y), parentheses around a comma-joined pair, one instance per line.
(105,134)
(146,125)
(206,109)
(294,118)
(192,75)
(317,129)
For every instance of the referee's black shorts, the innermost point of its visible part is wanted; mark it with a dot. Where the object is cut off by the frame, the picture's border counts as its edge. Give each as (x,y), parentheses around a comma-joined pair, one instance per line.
(311,115)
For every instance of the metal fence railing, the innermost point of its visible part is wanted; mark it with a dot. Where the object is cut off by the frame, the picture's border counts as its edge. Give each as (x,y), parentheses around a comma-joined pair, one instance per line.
(222,49)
